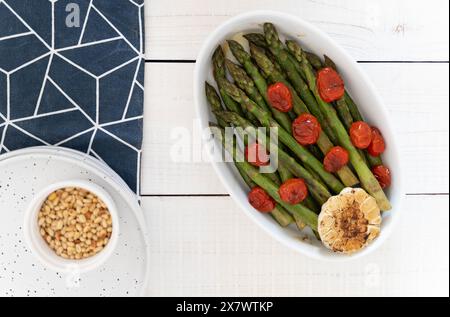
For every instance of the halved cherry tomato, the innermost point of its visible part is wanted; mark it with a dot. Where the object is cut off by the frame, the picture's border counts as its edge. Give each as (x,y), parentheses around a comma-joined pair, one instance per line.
(330,84)
(261,201)
(378,145)
(306,129)
(257,155)
(336,159)
(280,97)
(361,135)
(293,191)
(383,175)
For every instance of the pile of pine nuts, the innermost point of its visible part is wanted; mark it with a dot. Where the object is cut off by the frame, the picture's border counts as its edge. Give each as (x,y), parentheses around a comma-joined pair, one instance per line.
(75,223)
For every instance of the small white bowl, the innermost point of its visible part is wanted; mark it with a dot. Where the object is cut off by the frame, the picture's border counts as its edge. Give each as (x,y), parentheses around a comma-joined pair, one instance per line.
(42,250)
(359,86)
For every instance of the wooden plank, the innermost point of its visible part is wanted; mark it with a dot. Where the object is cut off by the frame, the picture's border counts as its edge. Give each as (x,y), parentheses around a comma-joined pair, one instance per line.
(225,254)
(415,94)
(368,30)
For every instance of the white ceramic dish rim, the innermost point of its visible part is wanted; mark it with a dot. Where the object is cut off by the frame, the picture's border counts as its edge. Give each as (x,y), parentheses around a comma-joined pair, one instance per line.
(41,249)
(349,70)
(116,181)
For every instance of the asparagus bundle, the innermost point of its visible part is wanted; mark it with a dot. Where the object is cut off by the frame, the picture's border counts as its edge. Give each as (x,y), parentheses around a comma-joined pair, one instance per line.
(248,103)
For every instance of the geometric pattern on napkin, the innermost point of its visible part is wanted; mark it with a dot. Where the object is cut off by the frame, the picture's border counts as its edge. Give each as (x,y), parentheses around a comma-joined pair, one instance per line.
(73,85)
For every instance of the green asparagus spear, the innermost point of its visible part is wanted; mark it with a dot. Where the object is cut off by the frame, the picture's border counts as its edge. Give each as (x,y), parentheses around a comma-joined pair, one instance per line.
(296,65)
(344,113)
(214,101)
(316,152)
(218,60)
(314,175)
(285,174)
(357,116)
(308,216)
(266,120)
(274,61)
(324,142)
(374,161)
(314,60)
(281,216)
(256,38)
(368,180)
(328,62)
(259,39)
(311,204)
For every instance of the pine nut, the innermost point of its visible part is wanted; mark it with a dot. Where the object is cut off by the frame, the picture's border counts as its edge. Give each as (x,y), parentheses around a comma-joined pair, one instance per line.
(75,223)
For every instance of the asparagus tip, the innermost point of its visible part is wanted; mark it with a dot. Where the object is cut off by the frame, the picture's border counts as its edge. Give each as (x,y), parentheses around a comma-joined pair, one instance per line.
(255,49)
(256,38)
(233,44)
(218,54)
(229,63)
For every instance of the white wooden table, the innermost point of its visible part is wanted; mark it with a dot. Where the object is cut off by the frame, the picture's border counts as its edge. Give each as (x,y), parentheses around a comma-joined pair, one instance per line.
(203,245)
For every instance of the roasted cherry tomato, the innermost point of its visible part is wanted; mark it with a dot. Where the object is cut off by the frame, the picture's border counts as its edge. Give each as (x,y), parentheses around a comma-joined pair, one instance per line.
(306,129)
(330,84)
(280,97)
(261,201)
(378,145)
(361,135)
(336,159)
(383,175)
(257,155)
(293,191)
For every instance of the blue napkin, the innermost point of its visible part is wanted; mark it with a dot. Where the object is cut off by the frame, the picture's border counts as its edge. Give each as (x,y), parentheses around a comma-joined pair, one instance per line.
(72,75)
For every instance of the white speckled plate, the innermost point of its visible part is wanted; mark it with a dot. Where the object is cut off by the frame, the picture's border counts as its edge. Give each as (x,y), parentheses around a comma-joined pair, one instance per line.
(25,172)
